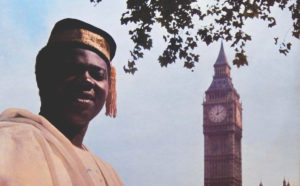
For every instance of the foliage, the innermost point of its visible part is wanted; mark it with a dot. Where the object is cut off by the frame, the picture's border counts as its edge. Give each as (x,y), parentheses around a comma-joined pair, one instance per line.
(187,22)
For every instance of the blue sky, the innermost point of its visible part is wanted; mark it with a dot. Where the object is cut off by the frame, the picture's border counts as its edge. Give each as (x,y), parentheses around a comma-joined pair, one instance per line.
(157,138)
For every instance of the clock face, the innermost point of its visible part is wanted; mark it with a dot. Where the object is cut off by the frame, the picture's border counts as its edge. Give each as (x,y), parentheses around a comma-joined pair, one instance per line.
(217,113)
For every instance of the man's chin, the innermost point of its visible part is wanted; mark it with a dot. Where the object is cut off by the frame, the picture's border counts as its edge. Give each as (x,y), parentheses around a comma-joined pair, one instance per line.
(77,110)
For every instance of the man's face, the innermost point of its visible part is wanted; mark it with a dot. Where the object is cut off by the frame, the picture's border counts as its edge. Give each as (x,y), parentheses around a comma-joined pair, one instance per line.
(79,85)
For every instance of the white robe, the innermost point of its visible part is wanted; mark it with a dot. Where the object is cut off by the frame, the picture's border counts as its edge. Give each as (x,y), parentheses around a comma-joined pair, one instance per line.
(34,153)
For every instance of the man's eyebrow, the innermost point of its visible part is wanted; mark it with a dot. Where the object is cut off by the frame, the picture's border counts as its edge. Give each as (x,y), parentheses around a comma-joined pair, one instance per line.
(95,67)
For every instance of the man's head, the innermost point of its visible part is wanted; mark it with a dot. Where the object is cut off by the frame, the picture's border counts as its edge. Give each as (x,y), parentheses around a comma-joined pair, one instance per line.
(73,71)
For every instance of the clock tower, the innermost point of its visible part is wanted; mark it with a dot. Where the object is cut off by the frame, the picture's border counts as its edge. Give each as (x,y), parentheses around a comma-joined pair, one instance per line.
(222,128)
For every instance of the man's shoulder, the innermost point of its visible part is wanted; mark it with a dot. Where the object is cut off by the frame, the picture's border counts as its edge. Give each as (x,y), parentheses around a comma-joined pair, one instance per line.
(17,128)
(19,134)
(21,151)
(13,123)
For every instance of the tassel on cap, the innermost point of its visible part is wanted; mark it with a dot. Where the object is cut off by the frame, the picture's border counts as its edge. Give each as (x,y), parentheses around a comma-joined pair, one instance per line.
(111,100)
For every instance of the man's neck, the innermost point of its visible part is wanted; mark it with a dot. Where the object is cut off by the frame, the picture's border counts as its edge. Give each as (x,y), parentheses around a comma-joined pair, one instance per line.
(74,131)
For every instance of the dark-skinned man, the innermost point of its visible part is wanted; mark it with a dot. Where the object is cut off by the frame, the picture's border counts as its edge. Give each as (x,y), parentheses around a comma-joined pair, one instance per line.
(75,80)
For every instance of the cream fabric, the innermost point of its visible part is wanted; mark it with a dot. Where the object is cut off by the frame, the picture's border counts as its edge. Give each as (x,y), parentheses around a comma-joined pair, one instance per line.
(34,153)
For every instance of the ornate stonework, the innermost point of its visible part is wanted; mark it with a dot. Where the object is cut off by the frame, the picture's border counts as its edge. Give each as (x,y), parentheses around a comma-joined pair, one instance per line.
(222,128)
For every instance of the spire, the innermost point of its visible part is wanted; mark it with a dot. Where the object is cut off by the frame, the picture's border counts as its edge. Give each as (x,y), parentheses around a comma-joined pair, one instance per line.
(284,182)
(221,79)
(221,60)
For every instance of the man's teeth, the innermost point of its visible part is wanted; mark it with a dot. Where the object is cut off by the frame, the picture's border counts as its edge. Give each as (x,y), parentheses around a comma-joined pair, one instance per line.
(82,100)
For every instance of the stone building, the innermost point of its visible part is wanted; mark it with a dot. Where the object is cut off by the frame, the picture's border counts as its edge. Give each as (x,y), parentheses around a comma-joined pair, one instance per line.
(222,128)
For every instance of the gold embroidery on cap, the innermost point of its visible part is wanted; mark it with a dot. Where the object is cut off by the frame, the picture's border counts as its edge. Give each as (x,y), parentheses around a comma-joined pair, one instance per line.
(82,36)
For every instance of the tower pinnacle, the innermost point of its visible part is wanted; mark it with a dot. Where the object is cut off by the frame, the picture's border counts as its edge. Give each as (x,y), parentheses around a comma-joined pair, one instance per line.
(221,60)
(221,79)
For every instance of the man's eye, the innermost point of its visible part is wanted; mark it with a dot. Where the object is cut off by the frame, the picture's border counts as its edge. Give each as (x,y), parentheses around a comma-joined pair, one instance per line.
(98,75)
(67,71)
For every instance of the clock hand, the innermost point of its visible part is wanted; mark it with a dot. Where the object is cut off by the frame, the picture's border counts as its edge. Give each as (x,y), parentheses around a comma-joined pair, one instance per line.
(219,112)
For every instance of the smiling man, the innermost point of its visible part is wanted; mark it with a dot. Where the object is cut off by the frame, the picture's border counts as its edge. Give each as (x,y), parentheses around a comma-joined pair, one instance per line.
(75,79)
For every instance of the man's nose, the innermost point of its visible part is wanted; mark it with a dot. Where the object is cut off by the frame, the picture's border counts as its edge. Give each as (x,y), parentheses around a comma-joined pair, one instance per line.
(86,80)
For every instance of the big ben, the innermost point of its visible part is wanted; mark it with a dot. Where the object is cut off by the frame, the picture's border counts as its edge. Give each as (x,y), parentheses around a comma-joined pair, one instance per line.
(222,128)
